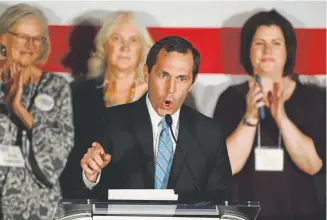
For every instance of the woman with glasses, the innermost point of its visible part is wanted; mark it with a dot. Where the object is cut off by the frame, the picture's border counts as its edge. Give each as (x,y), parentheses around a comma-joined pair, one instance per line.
(36,128)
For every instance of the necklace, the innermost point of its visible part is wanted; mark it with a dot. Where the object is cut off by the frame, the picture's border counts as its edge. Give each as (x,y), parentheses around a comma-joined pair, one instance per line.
(107,101)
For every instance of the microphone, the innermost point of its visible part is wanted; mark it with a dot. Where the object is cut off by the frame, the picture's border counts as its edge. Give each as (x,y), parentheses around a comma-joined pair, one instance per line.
(261,109)
(169,121)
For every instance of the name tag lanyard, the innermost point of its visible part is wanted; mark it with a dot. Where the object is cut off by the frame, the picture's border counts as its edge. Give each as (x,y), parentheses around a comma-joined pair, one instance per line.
(259,138)
(33,90)
(21,134)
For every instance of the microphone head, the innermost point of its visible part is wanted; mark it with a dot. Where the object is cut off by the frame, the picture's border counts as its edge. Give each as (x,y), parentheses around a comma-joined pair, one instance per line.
(169,119)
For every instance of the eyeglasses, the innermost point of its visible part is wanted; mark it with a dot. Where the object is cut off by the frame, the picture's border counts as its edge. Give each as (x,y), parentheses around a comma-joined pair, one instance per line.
(23,39)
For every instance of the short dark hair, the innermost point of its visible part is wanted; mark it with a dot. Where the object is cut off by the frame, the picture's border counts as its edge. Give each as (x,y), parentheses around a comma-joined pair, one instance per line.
(268,18)
(173,44)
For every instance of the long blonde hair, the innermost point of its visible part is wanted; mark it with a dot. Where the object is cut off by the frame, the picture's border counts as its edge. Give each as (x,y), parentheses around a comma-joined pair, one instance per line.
(97,64)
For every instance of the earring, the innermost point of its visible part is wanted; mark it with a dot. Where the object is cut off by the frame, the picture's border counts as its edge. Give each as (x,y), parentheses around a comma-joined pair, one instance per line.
(3,50)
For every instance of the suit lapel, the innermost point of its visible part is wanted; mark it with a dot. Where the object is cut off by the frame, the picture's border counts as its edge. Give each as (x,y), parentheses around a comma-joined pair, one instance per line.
(144,135)
(185,141)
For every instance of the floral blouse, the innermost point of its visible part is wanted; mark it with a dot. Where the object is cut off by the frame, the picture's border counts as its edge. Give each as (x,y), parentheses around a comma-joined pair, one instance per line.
(32,192)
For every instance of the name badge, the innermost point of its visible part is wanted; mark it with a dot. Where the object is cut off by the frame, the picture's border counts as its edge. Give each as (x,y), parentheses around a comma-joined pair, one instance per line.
(44,102)
(11,156)
(268,159)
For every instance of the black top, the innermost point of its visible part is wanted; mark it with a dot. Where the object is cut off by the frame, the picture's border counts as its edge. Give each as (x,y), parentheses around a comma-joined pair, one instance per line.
(291,192)
(88,107)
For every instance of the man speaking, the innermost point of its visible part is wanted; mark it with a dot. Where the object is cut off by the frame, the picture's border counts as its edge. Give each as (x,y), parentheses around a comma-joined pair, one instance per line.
(158,142)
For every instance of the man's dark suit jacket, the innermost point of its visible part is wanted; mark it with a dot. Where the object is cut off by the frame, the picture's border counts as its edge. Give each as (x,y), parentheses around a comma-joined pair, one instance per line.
(128,137)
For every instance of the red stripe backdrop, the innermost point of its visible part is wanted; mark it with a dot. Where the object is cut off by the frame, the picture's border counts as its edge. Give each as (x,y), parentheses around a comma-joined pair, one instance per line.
(218,48)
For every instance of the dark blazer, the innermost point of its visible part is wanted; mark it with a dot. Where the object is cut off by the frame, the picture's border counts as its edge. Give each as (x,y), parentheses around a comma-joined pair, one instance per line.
(128,137)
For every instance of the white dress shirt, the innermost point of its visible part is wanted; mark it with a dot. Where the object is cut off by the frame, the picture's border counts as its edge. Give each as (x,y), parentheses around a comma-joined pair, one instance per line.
(156,129)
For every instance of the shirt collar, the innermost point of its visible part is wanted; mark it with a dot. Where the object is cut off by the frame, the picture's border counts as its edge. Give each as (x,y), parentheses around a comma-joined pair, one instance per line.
(155,118)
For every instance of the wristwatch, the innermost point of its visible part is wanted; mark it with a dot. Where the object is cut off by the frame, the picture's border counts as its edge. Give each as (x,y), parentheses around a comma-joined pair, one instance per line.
(247,123)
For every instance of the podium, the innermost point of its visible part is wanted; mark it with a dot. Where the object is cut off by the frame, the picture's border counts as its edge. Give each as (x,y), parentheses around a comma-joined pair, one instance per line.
(153,210)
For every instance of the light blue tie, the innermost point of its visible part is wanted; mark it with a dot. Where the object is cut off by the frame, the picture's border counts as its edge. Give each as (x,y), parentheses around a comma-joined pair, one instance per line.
(164,157)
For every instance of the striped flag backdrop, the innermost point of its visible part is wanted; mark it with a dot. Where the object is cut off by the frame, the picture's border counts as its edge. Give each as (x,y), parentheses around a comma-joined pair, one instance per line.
(213,28)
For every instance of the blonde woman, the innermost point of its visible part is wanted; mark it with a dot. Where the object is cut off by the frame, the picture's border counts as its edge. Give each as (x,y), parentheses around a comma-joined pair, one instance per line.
(115,77)
(121,48)
(36,122)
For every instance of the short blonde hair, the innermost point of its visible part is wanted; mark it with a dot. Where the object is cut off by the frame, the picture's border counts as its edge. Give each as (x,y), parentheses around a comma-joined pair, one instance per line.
(17,13)
(97,63)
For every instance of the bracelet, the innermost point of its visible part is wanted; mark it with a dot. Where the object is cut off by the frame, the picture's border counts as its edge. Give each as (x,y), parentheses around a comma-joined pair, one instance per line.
(245,122)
